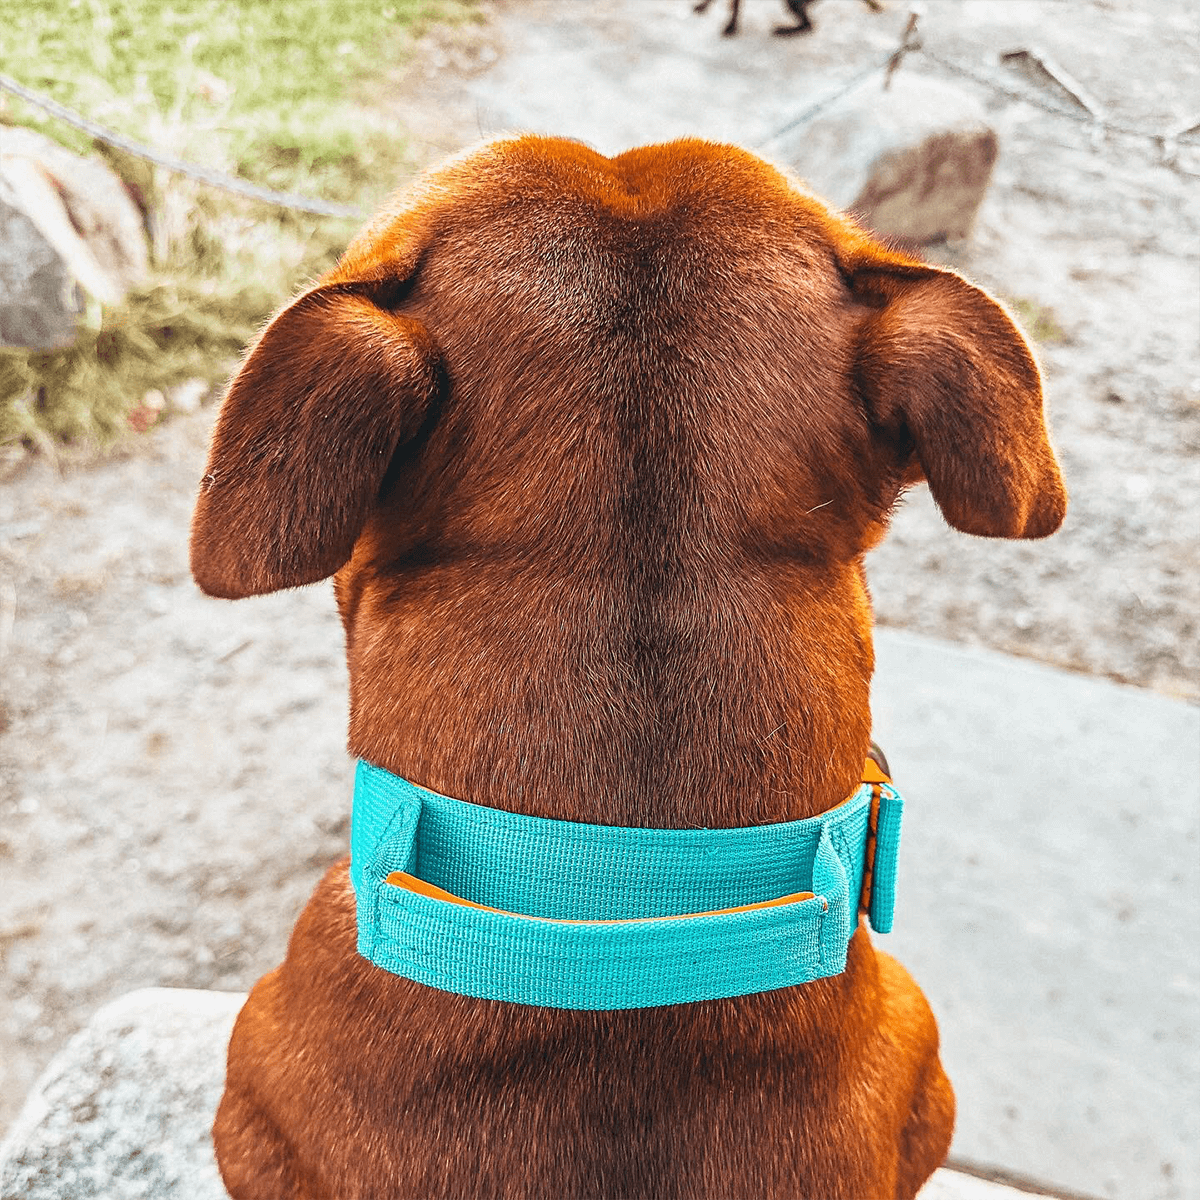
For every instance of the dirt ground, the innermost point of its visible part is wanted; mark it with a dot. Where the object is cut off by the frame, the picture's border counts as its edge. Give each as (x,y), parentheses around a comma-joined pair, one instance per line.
(172,770)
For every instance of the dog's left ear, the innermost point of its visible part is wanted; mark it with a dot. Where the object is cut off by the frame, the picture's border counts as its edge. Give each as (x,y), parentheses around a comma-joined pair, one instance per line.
(311,421)
(950,381)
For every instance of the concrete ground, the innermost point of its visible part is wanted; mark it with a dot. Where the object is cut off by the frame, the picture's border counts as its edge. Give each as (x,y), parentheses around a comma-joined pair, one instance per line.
(1048,904)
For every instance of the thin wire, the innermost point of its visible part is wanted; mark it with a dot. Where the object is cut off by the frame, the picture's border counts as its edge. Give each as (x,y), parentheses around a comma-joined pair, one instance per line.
(1094,120)
(819,106)
(206,175)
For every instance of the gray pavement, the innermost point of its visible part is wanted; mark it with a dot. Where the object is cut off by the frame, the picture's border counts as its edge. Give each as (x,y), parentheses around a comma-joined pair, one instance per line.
(1049,903)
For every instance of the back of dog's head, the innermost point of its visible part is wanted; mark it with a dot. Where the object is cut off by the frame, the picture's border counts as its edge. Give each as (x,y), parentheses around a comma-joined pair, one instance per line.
(595,447)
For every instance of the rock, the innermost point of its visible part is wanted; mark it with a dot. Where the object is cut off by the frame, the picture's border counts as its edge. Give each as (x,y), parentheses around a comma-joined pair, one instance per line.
(40,301)
(912,162)
(66,223)
(125,1110)
(96,199)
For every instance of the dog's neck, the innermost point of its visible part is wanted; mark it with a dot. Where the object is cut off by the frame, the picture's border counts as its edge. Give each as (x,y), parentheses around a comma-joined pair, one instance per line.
(558,703)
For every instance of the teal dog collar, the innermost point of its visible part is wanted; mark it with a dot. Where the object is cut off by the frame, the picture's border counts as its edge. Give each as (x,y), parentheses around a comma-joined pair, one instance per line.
(488,903)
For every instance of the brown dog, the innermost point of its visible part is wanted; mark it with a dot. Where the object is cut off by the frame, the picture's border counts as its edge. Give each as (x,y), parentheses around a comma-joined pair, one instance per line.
(594,449)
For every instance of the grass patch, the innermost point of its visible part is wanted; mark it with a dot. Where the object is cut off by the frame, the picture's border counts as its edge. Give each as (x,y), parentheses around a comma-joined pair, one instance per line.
(277,93)
(1038,321)
(162,334)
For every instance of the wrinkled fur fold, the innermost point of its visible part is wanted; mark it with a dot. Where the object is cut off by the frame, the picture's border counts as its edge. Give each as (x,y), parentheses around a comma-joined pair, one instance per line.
(593,449)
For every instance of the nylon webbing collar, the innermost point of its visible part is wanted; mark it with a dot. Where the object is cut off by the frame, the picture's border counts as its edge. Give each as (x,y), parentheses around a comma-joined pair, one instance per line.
(488,903)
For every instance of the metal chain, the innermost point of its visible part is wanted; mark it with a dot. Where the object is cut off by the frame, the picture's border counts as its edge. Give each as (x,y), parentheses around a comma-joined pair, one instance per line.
(217,179)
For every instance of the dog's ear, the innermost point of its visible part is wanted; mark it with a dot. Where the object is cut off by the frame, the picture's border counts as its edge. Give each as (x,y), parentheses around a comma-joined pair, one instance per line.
(332,388)
(949,379)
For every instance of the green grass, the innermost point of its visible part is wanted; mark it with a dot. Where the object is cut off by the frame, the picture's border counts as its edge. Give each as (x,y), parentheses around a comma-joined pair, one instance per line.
(276,91)
(1038,321)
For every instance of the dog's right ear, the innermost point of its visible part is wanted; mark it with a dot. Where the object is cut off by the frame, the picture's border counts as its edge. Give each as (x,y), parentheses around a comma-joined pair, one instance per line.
(952,385)
(330,391)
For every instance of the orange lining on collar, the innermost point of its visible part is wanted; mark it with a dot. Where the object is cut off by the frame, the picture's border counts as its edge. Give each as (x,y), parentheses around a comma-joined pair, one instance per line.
(412,884)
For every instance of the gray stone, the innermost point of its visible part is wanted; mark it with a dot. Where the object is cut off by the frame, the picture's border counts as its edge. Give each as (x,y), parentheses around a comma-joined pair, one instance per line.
(912,162)
(97,202)
(124,1111)
(68,228)
(40,301)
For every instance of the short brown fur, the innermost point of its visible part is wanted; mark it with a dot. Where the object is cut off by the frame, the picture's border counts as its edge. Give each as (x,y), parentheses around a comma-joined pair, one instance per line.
(594,448)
